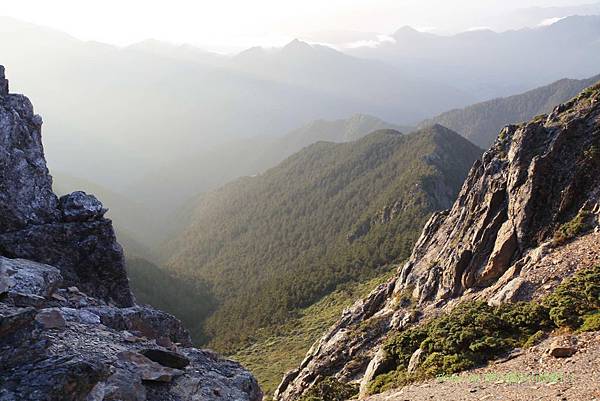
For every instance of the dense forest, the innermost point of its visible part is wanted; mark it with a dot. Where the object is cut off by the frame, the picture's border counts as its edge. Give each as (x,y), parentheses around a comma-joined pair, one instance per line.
(333,213)
(189,301)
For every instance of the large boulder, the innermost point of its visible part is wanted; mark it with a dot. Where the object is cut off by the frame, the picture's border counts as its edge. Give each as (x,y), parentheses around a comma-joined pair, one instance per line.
(72,233)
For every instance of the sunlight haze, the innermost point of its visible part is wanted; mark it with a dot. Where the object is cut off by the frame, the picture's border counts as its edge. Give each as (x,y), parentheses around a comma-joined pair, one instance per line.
(232,25)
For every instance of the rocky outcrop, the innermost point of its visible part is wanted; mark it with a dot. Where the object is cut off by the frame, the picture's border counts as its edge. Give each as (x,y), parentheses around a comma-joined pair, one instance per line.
(539,180)
(69,326)
(70,234)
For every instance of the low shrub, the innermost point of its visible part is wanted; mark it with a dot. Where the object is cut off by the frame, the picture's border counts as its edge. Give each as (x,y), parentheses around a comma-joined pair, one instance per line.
(591,322)
(473,333)
(571,229)
(535,339)
(330,389)
(574,298)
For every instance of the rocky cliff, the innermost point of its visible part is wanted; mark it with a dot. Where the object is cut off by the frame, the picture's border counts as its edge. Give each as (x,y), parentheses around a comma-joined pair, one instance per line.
(537,188)
(69,325)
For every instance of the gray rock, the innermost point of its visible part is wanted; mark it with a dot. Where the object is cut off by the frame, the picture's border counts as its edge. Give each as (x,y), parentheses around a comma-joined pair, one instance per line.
(28,277)
(71,235)
(416,359)
(82,316)
(51,319)
(26,197)
(87,254)
(80,206)
(3,82)
(145,320)
(379,364)
(149,370)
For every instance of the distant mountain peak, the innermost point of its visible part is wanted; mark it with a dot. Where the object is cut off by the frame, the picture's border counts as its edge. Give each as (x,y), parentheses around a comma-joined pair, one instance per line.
(406,30)
(297,45)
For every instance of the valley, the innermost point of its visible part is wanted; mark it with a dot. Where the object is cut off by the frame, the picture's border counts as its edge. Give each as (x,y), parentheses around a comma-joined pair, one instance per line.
(377,215)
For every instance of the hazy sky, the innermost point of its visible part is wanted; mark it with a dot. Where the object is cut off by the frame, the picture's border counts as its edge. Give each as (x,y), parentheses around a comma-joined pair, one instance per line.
(234,24)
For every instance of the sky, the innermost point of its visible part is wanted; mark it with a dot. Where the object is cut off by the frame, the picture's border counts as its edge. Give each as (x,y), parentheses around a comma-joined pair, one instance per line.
(231,25)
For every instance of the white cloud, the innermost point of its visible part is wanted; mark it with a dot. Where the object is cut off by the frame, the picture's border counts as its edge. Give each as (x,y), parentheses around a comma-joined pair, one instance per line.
(550,21)
(479,28)
(378,41)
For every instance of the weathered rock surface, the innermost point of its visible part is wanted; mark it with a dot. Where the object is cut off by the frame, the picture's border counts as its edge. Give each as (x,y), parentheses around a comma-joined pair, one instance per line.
(70,234)
(69,326)
(536,178)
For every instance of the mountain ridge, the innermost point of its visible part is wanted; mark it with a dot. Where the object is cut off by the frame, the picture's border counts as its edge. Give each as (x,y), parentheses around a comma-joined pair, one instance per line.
(535,190)
(388,182)
(481,122)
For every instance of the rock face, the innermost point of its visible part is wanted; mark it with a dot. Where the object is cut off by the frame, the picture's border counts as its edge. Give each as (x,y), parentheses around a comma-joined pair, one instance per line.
(71,234)
(69,326)
(539,179)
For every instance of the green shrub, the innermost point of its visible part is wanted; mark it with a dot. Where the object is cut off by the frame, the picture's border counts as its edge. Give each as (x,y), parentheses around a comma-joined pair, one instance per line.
(591,322)
(574,298)
(535,339)
(438,364)
(473,333)
(572,229)
(330,389)
(390,380)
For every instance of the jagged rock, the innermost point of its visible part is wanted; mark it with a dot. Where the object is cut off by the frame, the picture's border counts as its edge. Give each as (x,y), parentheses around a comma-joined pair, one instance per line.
(145,320)
(87,254)
(508,293)
(35,226)
(166,358)
(3,82)
(333,352)
(534,179)
(82,290)
(380,363)
(51,319)
(537,177)
(29,278)
(26,197)
(80,206)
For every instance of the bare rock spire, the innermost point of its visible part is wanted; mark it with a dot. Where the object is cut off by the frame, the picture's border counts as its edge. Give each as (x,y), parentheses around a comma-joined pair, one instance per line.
(3,82)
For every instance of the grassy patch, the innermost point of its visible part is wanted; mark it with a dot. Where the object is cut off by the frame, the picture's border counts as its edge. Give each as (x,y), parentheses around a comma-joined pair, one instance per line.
(572,229)
(274,353)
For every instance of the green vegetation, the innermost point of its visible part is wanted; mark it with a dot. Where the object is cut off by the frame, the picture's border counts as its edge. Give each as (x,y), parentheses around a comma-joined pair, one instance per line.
(473,333)
(330,390)
(571,229)
(279,349)
(591,322)
(190,302)
(575,298)
(272,245)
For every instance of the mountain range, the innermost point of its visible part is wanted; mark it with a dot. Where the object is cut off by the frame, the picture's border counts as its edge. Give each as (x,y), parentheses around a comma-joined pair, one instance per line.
(271,244)
(476,61)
